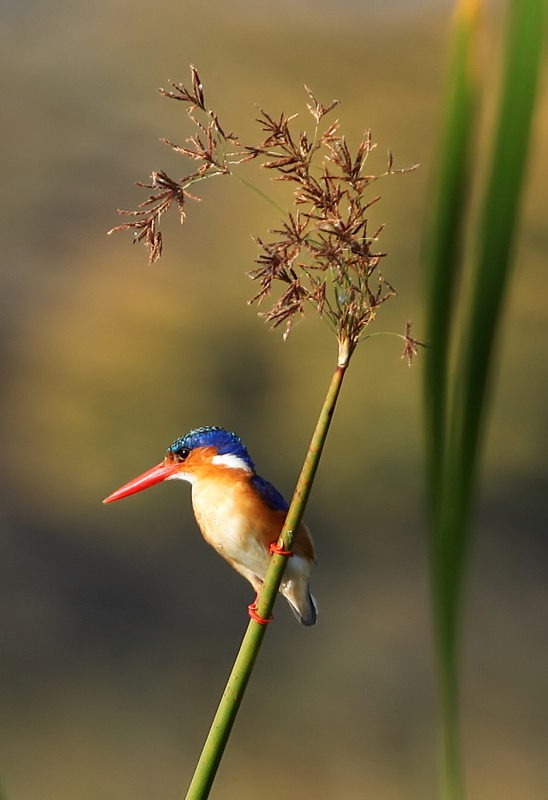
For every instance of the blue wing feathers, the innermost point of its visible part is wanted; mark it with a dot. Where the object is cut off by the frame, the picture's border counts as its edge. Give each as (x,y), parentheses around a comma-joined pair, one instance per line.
(269,493)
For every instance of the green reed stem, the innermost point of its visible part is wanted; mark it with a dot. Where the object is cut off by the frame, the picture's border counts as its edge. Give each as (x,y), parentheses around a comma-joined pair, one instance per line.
(216,741)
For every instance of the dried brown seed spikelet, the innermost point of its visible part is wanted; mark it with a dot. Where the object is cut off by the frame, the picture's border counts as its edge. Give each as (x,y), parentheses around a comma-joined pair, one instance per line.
(208,147)
(322,254)
(323,250)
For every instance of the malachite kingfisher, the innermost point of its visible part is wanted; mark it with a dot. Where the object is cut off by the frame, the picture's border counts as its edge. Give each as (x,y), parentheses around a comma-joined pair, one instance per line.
(239,513)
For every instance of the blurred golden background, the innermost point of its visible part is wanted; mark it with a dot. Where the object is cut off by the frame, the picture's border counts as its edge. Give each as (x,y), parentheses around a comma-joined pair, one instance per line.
(118,625)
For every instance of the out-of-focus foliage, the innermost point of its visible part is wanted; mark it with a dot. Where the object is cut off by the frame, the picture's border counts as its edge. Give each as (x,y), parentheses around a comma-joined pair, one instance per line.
(113,643)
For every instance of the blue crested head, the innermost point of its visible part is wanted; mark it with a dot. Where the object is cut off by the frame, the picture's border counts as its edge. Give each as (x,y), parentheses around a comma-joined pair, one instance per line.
(227,443)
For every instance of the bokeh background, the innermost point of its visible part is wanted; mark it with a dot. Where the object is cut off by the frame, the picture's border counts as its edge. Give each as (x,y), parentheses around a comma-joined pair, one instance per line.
(118,625)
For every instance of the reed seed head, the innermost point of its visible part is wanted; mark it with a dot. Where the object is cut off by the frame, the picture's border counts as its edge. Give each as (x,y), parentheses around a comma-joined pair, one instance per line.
(322,254)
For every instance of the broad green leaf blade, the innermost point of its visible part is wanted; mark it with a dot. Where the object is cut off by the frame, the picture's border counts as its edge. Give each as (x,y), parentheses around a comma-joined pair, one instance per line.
(446,227)
(458,445)
(499,215)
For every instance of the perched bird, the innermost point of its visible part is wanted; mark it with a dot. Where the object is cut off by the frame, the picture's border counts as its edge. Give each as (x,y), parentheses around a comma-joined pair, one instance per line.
(239,513)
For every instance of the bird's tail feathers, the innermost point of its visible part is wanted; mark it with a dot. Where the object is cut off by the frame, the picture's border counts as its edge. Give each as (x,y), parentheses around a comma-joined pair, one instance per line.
(307,611)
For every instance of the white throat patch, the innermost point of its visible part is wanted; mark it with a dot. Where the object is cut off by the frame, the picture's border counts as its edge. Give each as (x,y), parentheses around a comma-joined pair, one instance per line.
(232,461)
(182,476)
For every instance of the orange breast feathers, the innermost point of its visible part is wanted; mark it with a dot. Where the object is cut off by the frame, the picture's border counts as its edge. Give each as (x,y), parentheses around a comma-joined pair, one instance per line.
(236,520)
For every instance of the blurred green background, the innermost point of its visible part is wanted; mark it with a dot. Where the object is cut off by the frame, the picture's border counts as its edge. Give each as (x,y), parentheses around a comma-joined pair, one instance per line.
(118,624)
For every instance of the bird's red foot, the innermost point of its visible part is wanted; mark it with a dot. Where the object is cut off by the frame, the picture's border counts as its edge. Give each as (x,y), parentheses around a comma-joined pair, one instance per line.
(275,548)
(253,613)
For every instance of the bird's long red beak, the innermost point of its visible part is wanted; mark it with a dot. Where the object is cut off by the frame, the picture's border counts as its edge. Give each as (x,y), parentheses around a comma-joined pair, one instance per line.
(155,475)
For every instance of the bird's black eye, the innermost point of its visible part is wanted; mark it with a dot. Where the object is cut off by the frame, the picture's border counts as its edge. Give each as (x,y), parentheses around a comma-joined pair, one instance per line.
(182,454)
